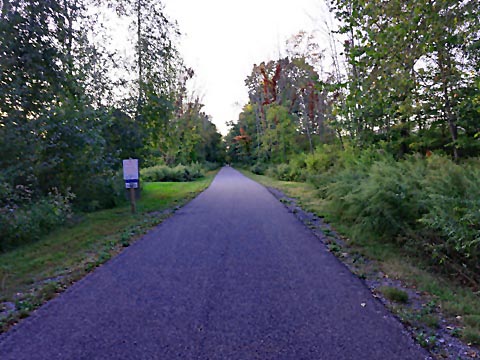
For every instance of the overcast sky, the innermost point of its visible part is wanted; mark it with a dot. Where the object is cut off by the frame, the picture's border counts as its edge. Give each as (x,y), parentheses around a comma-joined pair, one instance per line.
(222,39)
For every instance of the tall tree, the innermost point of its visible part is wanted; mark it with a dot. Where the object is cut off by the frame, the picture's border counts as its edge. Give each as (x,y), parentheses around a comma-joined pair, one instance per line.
(408,65)
(51,126)
(157,65)
(287,111)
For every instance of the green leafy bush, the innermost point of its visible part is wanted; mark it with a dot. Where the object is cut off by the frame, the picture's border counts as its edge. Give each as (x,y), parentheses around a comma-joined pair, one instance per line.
(258,168)
(281,172)
(328,160)
(28,222)
(178,173)
(385,201)
(294,171)
(428,206)
(452,199)
(298,168)
(100,192)
(323,158)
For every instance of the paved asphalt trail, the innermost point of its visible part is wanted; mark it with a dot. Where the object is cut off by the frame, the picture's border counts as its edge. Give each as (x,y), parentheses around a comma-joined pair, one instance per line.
(232,275)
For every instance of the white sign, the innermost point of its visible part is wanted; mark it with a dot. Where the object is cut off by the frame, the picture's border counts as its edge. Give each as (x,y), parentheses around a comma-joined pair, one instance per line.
(130,169)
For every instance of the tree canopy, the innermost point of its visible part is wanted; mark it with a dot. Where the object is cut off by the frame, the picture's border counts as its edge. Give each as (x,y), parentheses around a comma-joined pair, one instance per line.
(410,84)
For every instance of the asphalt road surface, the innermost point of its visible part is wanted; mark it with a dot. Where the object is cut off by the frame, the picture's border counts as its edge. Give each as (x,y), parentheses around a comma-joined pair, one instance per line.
(232,275)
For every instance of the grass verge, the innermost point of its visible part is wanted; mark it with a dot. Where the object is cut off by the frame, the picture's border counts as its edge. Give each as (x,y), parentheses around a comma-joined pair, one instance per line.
(36,272)
(458,305)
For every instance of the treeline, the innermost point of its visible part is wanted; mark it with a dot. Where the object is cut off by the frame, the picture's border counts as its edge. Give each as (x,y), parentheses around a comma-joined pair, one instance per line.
(71,107)
(387,126)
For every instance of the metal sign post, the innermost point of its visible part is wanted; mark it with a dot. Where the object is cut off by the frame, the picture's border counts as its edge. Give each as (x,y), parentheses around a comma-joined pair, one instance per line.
(131,176)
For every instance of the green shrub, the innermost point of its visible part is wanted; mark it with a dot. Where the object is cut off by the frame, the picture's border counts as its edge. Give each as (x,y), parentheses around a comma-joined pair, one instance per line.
(429,206)
(341,197)
(193,171)
(298,167)
(324,157)
(101,191)
(258,168)
(378,199)
(154,173)
(178,173)
(287,172)
(280,172)
(24,223)
(452,199)
(329,160)
(387,201)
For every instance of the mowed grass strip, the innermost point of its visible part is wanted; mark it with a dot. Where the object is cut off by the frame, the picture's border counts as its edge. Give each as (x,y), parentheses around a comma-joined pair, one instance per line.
(34,273)
(459,304)
(303,192)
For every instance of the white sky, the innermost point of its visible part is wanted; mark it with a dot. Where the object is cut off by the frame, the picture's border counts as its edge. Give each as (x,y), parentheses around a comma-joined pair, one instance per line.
(222,39)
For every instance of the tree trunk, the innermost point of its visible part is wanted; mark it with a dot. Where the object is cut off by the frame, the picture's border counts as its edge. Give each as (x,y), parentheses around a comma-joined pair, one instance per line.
(404,136)
(452,125)
(357,120)
(445,65)
(339,134)
(309,138)
(258,128)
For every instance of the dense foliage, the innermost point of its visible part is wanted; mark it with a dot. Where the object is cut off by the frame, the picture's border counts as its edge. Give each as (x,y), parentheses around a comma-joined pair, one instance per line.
(413,74)
(177,173)
(390,135)
(71,108)
(427,206)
